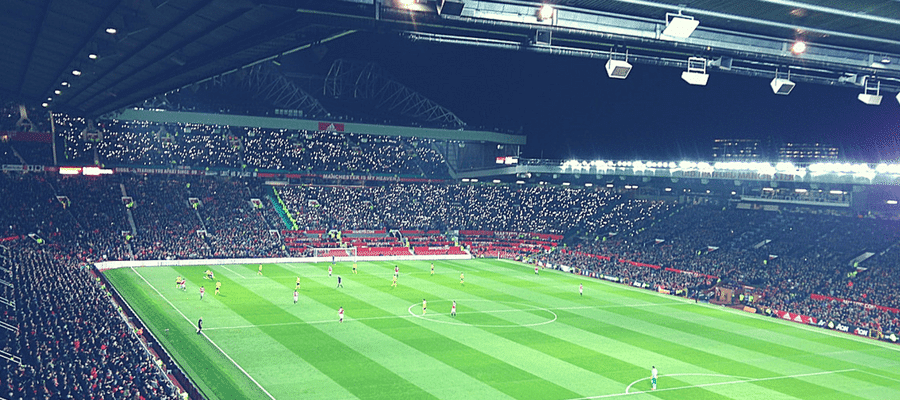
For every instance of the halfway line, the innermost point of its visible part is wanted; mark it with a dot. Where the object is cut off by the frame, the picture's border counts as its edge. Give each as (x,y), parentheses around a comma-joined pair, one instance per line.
(437,313)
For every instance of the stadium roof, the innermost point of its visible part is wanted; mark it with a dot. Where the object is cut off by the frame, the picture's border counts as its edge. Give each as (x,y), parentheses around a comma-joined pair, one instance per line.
(161,45)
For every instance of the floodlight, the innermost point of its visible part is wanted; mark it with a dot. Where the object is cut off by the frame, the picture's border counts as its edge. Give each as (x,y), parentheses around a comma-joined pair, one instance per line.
(696,72)
(111,30)
(871,95)
(76,72)
(798,47)
(450,7)
(618,69)
(679,26)
(57,92)
(93,56)
(782,86)
(898,97)
(870,99)
(45,105)
(545,12)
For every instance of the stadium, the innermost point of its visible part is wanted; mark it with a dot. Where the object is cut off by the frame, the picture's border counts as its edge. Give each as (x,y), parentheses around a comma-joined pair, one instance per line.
(449,199)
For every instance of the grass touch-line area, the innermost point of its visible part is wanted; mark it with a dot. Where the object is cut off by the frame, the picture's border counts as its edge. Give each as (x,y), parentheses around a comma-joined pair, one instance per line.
(517,335)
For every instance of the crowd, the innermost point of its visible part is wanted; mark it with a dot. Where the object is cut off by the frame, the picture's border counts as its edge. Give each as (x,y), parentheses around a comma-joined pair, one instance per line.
(152,144)
(72,341)
(449,207)
(787,256)
(784,255)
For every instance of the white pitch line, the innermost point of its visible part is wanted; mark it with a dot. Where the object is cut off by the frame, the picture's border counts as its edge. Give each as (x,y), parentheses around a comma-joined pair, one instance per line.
(627,389)
(229,270)
(879,375)
(715,384)
(204,335)
(436,313)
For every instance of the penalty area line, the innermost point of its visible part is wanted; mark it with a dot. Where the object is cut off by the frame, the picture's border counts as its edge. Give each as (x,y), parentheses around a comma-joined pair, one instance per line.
(713,384)
(204,335)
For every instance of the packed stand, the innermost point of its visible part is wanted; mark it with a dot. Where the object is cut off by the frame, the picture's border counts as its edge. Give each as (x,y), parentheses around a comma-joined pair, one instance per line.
(72,342)
(132,143)
(236,228)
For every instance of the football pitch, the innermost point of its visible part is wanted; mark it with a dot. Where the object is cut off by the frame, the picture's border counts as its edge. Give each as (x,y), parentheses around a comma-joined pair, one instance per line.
(516,335)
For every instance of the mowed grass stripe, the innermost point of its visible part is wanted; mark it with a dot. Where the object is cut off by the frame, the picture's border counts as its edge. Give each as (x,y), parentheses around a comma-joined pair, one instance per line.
(494,371)
(578,366)
(834,344)
(562,374)
(648,320)
(784,355)
(631,371)
(748,350)
(211,371)
(281,372)
(256,350)
(365,379)
(495,287)
(428,373)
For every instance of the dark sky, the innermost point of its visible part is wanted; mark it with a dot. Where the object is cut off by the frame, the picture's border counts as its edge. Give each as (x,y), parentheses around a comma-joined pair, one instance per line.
(569,108)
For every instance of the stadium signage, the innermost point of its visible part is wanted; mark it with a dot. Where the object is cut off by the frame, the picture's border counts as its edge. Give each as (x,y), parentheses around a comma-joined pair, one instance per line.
(799,318)
(609,278)
(820,297)
(361,177)
(842,328)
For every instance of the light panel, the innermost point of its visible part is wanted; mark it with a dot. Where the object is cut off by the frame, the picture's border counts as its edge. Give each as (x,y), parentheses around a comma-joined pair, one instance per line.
(618,69)
(680,26)
(782,86)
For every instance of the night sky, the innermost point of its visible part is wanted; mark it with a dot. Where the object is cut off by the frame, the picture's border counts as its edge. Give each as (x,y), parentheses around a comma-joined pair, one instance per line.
(569,108)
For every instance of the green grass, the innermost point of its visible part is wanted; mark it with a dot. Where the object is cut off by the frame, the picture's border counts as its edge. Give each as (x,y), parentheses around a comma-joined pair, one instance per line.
(517,336)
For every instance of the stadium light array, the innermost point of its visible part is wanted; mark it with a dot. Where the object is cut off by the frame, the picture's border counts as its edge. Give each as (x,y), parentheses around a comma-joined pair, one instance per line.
(696,72)
(782,86)
(799,47)
(679,26)
(618,69)
(545,12)
(891,202)
(871,94)
(893,169)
